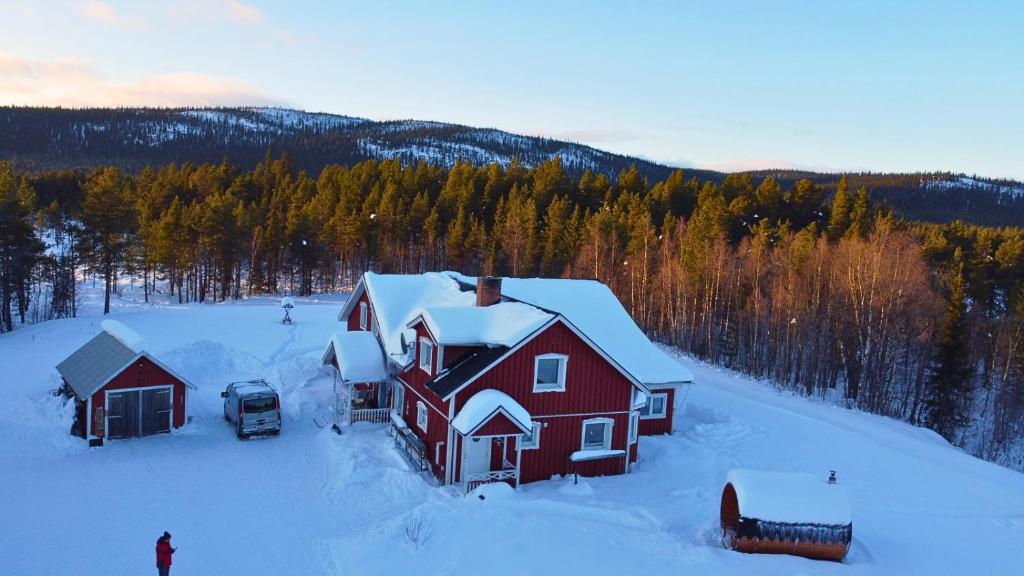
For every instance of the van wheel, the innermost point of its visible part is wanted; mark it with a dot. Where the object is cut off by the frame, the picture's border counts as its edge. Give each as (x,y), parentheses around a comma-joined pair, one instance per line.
(238,432)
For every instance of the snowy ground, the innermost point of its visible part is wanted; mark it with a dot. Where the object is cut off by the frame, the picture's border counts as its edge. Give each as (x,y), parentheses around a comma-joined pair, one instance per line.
(311,502)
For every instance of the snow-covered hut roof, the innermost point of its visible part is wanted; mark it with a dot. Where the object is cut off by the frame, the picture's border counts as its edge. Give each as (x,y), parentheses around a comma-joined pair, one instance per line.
(503,324)
(96,363)
(359,356)
(484,405)
(789,497)
(594,309)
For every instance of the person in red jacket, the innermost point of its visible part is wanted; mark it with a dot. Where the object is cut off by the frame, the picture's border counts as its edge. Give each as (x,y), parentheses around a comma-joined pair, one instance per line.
(163,554)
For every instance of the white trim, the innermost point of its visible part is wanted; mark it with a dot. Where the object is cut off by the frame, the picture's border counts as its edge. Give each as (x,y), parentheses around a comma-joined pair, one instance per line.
(437,453)
(557,318)
(634,427)
(426,420)
(364,313)
(396,390)
(106,411)
(430,357)
(535,429)
(535,417)
(563,365)
(650,404)
(607,444)
(489,417)
(88,417)
(440,357)
(410,388)
(450,446)
(354,297)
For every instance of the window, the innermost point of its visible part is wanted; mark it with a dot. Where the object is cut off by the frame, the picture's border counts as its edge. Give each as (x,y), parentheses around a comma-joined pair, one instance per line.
(421,416)
(398,398)
(426,354)
(634,426)
(531,441)
(597,434)
(549,373)
(362,315)
(656,407)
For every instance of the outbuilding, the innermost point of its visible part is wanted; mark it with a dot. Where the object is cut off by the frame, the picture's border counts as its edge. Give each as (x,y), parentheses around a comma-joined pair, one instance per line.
(786,513)
(120,390)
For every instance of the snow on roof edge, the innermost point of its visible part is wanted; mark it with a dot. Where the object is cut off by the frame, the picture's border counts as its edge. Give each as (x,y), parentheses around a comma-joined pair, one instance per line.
(125,335)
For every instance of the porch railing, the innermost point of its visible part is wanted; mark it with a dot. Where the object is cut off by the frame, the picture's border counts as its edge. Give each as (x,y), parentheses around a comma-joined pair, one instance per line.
(507,474)
(375,415)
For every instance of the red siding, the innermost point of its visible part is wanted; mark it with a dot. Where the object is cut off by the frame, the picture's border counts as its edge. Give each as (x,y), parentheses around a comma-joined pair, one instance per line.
(353,317)
(437,422)
(660,425)
(452,354)
(498,425)
(142,374)
(594,388)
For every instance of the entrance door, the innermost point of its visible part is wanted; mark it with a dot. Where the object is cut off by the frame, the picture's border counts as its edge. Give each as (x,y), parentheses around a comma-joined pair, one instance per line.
(156,411)
(132,413)
(476,457)
(123,414)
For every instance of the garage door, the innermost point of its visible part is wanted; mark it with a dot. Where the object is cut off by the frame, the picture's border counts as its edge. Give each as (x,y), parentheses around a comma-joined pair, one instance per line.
(138,412)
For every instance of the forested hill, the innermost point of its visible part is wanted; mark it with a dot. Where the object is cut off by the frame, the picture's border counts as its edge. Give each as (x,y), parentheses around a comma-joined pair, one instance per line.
(54,138)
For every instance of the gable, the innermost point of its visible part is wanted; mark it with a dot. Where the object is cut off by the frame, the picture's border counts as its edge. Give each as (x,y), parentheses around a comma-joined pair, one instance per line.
(498,425)
(592,383)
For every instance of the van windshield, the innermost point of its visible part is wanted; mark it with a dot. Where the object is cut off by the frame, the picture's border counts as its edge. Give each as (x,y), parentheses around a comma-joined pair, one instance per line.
(257,405)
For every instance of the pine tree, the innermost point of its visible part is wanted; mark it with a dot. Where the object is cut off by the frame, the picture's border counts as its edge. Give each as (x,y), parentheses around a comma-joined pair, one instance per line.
(949,380)
(107,218)
(860,215)
(20,250)
(839,219)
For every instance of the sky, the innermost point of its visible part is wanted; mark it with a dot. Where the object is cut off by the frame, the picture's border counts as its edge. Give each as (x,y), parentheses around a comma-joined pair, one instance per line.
(899,85)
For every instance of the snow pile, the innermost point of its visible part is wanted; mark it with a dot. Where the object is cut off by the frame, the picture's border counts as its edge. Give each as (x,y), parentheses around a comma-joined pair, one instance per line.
(594,309)
(485,404)
(503,324)
(789,497)
(125,335)
(492,491)
(359,356)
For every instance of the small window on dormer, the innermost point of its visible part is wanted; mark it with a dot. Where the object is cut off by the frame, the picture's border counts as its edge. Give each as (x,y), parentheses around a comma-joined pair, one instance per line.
(362,315)
(426,355)
(549,373)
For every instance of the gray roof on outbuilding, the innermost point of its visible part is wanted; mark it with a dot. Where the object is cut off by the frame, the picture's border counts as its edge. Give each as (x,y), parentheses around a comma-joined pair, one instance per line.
(97,362)
(93,365)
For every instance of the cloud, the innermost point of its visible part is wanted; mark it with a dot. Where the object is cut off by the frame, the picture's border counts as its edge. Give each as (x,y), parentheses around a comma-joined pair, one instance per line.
(245,13)
(68,82)
(105,14)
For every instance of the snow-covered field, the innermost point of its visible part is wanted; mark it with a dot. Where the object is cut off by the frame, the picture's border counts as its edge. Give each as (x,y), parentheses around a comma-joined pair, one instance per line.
(312,502)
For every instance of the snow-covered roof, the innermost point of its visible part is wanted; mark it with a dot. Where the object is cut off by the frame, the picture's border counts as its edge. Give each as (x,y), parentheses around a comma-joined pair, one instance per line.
(398,298)
(359,356)
(485,404)
(789,497)
(125,335)
(593,309)
(503,324)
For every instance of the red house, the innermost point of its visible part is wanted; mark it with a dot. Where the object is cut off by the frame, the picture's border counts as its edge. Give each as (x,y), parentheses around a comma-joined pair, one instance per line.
(120,390)
(511,379)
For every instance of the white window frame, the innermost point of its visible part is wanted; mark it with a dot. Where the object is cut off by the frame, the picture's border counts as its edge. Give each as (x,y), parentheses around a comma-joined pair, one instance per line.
(363,313)
(428,368)
(563,365)
(421,415)
(534,444)
(634,427)
(607,444)
(398,398)
(650,404)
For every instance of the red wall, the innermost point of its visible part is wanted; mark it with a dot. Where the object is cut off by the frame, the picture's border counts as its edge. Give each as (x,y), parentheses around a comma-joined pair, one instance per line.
(594,388)
(660,425)
(437,422)
(143,373)
(353,317)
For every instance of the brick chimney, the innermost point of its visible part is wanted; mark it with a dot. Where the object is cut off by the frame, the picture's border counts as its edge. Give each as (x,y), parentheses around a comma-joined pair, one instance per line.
(488,290)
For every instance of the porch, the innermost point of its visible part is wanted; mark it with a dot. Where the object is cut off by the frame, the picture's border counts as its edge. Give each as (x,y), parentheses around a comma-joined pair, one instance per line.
(361,390)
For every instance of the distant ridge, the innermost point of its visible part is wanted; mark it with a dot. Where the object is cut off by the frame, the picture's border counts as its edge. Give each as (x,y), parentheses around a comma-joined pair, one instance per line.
(36,138)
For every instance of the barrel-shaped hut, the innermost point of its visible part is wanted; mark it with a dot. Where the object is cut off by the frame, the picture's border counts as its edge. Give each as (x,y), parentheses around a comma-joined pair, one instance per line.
(786,513)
